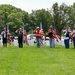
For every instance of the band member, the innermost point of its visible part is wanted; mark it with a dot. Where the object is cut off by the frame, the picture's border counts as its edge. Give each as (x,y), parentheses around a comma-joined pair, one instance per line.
(51,37)
(20,37)
(38,36)
(4,37)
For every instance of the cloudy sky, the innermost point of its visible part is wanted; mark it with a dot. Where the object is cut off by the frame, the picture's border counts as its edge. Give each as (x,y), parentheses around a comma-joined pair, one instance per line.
(29,5)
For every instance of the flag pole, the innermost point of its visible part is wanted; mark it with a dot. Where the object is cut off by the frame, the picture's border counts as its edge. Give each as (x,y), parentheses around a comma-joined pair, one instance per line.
(40,25)
(5,18)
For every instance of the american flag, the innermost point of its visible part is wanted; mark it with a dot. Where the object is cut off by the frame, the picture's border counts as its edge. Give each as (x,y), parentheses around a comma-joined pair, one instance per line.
(25,36)
(8,35)
(57,37)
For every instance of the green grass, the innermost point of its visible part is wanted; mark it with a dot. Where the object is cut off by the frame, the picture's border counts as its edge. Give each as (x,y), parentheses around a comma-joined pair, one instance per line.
(37,61)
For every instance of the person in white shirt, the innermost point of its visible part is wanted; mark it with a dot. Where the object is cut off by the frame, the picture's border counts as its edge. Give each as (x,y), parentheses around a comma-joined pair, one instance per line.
(66,37)
(4,37)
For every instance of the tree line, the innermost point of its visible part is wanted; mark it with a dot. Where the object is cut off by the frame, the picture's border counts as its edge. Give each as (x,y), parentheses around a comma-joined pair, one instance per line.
(58,16)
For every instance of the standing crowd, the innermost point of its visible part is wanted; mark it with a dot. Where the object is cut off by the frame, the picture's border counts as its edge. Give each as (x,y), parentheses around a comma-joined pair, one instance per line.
(52,34)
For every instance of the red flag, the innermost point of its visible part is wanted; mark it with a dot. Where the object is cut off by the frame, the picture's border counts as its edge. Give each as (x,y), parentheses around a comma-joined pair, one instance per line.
(8,35)
(25,37)
(9,38)
(42,35)
(56,36)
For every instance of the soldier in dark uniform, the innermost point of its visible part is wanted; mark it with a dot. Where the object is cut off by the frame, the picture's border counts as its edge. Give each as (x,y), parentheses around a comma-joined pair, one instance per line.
(4,37)
(20,37)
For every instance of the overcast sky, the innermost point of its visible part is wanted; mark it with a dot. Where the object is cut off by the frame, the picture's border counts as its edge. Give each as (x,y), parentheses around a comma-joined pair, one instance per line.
(29,5)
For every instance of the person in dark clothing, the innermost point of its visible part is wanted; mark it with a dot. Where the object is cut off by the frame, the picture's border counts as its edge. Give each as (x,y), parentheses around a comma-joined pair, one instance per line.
(51,37)
(66,32)
(4,37)
(20,37)
(73,36)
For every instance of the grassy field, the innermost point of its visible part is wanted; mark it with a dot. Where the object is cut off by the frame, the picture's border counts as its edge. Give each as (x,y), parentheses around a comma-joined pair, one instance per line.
(37,61)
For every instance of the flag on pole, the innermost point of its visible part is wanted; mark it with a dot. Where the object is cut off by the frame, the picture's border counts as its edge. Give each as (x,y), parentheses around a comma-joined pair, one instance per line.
(25,35)
(57,37)
(42,34)
(42,37)
(8,35)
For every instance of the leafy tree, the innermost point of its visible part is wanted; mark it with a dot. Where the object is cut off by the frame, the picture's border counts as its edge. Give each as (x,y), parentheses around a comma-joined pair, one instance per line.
(60,16)
(11,16)
(71,14)
(44,17)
